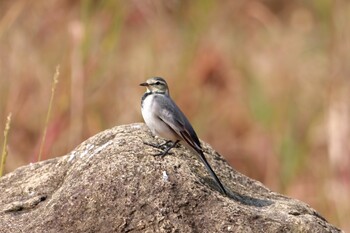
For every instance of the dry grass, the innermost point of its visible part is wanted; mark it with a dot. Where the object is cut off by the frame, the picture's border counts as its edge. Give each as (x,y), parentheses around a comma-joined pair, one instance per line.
(264,82)
(4,151)
(49,110)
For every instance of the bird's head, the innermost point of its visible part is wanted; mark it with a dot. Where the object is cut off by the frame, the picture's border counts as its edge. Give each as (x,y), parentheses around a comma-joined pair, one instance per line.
(156,85)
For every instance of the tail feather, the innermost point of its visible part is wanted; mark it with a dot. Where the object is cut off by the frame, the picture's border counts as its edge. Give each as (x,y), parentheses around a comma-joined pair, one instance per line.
(197,147)
(210,170)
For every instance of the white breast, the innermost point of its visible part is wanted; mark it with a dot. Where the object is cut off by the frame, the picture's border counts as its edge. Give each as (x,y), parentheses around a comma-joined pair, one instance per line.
(157,126)
(147,111)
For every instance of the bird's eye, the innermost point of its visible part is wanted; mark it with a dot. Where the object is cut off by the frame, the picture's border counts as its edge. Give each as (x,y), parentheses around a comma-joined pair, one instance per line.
(157,83)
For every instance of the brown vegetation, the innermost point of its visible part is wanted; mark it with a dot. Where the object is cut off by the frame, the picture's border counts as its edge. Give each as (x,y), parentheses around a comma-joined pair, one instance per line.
(264,82)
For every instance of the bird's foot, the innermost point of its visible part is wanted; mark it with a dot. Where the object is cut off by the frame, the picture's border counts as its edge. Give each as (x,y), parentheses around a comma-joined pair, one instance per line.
(163,153)
(164,146)
(167,149)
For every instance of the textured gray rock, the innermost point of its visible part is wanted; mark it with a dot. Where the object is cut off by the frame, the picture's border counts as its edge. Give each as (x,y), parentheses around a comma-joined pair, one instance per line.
(112,183)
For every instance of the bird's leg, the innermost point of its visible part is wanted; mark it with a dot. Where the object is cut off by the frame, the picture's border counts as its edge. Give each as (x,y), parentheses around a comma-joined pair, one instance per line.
(166,151)
(165,144)
(159,146)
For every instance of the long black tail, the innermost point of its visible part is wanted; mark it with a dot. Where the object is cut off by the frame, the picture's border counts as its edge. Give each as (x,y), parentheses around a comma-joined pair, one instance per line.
(210,170)
(190,137)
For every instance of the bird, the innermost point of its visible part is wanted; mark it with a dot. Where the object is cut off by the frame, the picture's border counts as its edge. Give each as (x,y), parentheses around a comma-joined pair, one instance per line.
(165,119)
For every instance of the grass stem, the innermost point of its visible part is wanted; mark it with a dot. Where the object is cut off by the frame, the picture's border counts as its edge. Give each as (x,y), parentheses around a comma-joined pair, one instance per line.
(4,147)
(54,83)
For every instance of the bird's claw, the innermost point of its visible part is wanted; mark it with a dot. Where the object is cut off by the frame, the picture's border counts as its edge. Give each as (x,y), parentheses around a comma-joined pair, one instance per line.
(163,153)
(162,146)
(151,144)
(165,147)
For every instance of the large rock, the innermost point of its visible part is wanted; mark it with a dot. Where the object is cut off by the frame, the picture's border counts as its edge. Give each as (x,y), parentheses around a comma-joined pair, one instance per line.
(112,183)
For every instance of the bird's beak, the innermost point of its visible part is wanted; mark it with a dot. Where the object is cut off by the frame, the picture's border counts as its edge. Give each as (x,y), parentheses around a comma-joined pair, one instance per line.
(144,84)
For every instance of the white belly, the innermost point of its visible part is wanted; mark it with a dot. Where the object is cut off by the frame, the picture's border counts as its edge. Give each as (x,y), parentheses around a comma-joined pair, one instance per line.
(157,126)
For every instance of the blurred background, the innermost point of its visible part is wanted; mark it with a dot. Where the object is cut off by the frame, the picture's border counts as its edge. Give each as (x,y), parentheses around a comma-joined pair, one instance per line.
(266,82)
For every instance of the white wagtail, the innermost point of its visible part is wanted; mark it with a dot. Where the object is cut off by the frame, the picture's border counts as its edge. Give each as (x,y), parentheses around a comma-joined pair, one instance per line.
(165,119)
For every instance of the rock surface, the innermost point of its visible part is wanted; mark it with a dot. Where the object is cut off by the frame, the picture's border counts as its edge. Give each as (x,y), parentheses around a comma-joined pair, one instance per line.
(112,183)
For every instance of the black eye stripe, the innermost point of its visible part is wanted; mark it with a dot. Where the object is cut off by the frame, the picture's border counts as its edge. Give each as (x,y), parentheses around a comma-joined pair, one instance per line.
(157,83)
